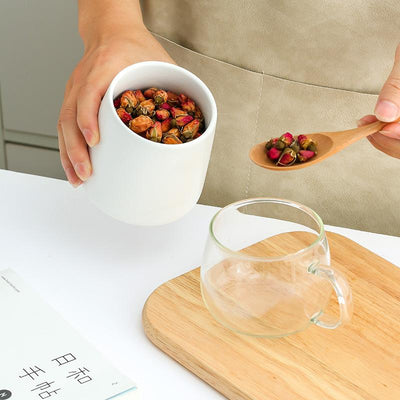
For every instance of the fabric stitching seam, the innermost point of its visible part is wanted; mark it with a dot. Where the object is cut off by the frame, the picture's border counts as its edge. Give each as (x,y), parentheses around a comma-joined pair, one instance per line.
(263,73)
(254,136)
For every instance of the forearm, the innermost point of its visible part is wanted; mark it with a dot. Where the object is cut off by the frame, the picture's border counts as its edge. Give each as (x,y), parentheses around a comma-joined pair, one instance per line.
(102,20)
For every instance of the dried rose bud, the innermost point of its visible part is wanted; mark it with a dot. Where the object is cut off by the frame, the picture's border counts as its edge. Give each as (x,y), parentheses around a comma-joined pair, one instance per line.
(139,95)
(280,145)
(166,125)
(140,124)
(295,146)
(198,114)
(160,96)
(304,142)
(312,147)
(149,93)
(165,106)
(173,123)
(177,111)
(154,133)
(129,101)
(191,129)
(305,155)
(288,157)
(271,143)
(182,98)
(273,153)
(287,138)
(308,144)
(117,102)
(172,98)
(197,135)
(162,114)
(300,138)
(189,106)
(171,139)
(182,120)
(146,107)
(124,116)
(175,132)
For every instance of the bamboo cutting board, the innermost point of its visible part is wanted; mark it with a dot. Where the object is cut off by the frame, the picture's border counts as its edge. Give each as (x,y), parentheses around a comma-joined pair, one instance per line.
(360,361)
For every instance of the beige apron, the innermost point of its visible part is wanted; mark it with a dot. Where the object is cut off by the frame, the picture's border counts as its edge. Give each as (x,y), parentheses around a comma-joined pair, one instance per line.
(298,66)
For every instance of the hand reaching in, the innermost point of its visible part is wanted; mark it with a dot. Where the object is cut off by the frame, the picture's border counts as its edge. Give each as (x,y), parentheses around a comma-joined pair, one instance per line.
(104,57)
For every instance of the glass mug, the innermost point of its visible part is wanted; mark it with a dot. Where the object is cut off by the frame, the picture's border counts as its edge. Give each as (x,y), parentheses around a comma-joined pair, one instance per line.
(266,269)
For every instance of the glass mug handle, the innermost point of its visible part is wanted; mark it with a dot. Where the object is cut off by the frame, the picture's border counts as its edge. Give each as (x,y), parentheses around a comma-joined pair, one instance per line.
(343,294)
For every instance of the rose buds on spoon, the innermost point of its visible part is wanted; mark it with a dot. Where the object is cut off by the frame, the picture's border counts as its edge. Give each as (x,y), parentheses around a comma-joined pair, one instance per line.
(327,144)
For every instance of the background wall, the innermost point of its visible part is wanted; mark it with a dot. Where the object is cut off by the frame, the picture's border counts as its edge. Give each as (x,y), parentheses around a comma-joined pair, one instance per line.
(39,47)
(280,65)
(324,75)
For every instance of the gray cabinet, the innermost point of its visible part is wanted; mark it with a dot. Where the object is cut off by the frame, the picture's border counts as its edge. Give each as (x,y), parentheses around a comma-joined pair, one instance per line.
(39,48)
(34,160)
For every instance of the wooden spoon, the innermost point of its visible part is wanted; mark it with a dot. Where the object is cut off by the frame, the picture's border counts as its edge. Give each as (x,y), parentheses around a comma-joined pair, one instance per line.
(329,143)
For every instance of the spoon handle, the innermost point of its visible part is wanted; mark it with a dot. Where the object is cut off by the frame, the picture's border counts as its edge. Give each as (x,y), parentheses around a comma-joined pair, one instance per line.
(383,143)
(345,138)
(369,129)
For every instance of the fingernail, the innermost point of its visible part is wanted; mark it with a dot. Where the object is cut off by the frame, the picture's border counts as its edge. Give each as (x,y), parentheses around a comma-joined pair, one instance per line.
(386,111)
(82,169)
(69,172)
(88,135)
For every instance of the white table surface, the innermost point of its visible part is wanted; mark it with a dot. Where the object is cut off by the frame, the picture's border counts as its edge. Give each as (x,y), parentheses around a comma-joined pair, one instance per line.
(98,272)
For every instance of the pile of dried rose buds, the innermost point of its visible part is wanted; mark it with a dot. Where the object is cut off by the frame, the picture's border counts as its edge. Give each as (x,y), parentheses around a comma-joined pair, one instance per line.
(160,115)
(287,149)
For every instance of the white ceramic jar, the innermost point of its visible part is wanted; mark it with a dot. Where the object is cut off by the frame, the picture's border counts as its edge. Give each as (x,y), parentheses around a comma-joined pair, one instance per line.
(139,181)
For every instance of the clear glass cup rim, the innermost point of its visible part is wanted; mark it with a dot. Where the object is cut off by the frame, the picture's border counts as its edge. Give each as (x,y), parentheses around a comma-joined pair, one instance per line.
(256,200)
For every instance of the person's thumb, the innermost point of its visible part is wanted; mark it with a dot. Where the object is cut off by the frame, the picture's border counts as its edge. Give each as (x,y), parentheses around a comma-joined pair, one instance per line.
(388,106)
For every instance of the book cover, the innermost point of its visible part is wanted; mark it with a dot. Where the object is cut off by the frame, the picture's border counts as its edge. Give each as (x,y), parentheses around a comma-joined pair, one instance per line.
(43,357)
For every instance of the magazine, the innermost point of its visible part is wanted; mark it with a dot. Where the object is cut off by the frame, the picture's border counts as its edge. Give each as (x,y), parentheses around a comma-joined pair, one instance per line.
(43,357)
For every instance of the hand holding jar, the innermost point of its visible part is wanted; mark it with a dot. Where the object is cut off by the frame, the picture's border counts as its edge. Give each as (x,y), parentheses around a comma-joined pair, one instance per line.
(114,37)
